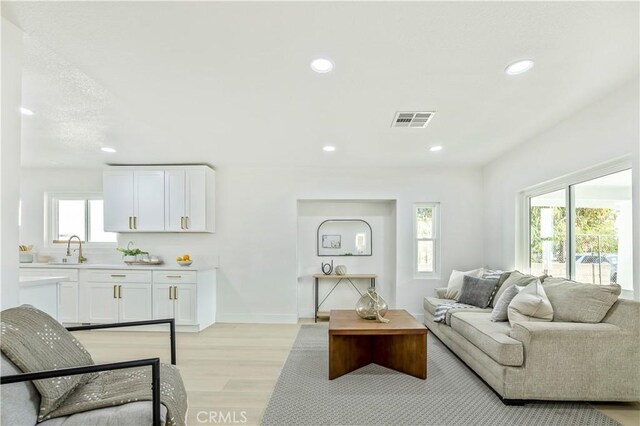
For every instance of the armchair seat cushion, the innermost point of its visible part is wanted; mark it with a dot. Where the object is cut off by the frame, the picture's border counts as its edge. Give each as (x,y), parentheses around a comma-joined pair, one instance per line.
(134,413)
(20,401)
(490,337)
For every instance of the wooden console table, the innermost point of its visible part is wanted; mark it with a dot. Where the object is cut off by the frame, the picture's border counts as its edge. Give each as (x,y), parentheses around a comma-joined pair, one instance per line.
(340,278)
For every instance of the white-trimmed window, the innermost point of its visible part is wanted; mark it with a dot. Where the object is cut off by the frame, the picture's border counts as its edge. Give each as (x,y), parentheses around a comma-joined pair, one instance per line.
(426,245)
(580,227)
(77,214)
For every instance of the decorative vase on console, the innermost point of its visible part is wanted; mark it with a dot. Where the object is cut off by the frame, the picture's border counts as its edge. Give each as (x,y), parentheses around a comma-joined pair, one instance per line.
(371,306)
(341,270)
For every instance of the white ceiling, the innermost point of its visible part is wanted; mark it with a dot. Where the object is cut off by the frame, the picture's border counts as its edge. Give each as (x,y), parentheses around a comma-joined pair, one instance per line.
(229,83)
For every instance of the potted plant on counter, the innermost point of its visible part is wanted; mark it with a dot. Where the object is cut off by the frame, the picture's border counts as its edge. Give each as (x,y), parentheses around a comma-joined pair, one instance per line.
(131,254)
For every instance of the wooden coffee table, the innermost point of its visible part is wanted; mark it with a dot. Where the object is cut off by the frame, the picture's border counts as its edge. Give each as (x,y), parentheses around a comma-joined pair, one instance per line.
(355,342)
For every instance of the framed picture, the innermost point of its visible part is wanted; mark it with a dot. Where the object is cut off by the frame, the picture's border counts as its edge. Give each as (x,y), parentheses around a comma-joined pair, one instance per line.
(331,241)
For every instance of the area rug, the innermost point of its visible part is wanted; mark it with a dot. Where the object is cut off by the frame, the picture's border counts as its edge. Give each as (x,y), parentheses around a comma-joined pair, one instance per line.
(375,395)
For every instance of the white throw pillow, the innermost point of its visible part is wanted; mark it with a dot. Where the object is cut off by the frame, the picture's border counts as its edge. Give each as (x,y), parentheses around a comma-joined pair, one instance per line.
(530,304)
(456,280)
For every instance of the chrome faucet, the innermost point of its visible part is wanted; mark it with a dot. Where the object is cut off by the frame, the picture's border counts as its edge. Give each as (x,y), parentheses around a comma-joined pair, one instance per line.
(81,258)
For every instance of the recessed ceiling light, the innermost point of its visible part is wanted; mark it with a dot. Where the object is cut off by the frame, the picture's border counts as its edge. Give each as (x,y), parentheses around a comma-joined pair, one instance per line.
(519,67)
(26,111)
(329,148)
(107,149)
(435,148)
(321,65)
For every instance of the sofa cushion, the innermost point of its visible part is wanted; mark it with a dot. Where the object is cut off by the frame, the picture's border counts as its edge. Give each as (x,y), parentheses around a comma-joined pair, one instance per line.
(456,280)
(530,304)
(430,304)
(578,302)
(492,338)
(134,413)
(477,291)
(34,341)
(20,401)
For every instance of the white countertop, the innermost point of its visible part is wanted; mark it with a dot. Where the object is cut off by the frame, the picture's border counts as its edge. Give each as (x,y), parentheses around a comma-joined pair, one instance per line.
(34,281)
(165,266)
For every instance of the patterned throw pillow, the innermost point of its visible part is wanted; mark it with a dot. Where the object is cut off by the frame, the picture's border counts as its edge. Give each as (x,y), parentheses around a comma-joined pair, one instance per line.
(477,292)
(34,341)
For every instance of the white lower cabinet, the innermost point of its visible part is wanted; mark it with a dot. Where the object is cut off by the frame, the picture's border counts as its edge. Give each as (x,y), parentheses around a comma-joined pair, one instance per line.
(100,303)
(134,302)
(100,296)
(109,303)
(177,301)
(68,309)
(110,296)
(68,302)
(116,295)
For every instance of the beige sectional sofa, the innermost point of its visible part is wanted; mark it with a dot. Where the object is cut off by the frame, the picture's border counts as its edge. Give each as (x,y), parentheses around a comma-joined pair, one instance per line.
(547,360)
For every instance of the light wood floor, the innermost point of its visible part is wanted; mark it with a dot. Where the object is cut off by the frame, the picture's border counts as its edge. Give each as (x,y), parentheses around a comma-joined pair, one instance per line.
(231,369)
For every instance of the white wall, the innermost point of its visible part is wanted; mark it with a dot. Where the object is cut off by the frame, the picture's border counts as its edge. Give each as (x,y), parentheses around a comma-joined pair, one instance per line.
(256,225)
(606,130)
(10,160)
(381,217)
(34,183)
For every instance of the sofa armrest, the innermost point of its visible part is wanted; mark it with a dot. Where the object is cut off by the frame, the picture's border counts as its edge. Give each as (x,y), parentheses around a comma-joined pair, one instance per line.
(440,292)
(590,359)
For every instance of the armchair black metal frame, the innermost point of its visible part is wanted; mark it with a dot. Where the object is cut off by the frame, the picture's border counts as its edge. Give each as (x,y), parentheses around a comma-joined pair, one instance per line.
(153,362)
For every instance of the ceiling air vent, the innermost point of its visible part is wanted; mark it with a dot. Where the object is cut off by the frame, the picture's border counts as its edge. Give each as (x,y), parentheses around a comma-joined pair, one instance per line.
(415,120)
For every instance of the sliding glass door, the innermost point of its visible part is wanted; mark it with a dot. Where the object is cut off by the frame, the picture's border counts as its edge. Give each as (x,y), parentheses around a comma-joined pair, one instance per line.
(584,231)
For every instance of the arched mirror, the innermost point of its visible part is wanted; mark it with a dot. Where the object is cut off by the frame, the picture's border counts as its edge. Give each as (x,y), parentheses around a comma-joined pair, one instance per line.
(344,237)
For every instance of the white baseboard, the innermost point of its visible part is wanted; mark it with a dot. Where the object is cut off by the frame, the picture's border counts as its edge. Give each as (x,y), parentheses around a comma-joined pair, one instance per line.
(257,318)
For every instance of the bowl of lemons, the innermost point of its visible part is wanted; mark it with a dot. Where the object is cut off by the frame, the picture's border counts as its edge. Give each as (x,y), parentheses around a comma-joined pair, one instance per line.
(184,260)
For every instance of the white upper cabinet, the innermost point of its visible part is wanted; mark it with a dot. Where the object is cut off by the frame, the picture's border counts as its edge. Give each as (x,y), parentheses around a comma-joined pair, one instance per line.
(117,190)
(174,203)
(189,196)
(148,196)
(159,199)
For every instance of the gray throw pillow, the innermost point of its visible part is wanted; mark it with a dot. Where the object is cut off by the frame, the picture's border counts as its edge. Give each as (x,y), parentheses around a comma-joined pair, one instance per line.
(34,341)
(578,302)
(500,312)
(477,291)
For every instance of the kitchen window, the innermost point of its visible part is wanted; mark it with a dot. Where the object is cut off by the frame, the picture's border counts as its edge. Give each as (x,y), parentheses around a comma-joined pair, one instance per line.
(426,246)
(581,228)
(78,214)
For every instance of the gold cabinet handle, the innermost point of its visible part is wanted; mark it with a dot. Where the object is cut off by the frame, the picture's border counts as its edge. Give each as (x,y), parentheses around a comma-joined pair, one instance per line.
(181,222)
(135,222)
(130,226)
(186,222)
(175,292)
(119,292)
(118,276)
(174,276)
(170,293)
(114,291)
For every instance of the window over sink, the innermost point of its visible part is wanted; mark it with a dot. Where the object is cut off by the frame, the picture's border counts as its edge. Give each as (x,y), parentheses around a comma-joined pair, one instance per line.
(78,214)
